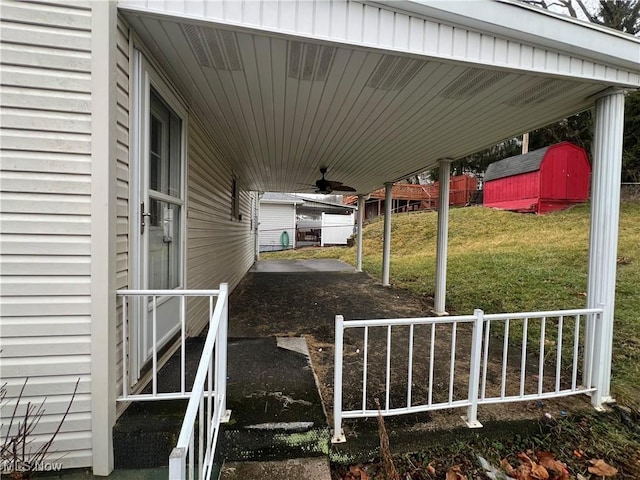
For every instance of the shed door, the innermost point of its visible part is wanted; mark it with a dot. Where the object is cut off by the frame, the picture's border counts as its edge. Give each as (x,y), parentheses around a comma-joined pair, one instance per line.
(553,175)
(575,176)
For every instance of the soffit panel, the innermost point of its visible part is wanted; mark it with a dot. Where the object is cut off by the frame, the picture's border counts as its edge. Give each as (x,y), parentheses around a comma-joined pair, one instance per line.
(279,108)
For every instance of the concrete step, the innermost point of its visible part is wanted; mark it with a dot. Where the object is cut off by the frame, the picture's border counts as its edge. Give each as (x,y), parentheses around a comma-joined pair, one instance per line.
(304,468)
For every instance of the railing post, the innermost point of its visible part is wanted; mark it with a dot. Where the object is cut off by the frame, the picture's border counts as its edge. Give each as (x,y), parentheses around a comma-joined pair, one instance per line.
(125,348)
(595,368)
(178,464)
(471,418)
(221,354)
(338,433)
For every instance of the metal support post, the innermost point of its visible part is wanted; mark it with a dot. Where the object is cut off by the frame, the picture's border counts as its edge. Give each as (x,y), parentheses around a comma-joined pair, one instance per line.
(359,238)
(603,236)
(443,233)
(386,248)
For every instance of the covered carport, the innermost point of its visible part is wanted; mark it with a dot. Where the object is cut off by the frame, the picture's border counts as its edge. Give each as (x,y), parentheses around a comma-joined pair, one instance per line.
(379,91)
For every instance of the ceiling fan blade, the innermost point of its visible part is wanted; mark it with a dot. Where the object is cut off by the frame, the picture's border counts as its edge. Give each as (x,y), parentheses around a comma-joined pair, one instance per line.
(344,188)
(334,184)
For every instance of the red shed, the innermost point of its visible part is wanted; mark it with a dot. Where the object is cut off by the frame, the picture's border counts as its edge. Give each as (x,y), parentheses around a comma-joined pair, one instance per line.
(541,181)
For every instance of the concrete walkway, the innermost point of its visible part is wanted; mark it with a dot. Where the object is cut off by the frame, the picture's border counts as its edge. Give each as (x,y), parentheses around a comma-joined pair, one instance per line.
(298,266)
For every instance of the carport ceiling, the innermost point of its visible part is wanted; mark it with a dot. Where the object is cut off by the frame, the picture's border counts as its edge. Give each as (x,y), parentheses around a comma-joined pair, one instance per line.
(281,107)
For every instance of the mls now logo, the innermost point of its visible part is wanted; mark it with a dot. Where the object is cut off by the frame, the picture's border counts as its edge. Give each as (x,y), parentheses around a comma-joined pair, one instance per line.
(8,466)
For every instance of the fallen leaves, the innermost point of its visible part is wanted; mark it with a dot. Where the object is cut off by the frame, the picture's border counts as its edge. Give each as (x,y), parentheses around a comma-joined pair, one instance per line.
(356,472)
(455,473)
(602,468)
(529,465)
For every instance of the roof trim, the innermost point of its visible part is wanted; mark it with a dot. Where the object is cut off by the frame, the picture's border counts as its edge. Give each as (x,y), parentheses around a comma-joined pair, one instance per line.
(281,198)
(503,17)
(489,35)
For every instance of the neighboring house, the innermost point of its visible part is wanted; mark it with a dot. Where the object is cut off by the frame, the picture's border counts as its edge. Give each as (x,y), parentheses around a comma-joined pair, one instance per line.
(288,221)
(544,180)
(324,223)
(408,197)
(277,221)
(135,134)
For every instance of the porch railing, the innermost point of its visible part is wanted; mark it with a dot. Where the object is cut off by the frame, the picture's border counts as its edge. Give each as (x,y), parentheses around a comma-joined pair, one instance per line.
(152,299)
(207,405)
(206,408)
(461,362)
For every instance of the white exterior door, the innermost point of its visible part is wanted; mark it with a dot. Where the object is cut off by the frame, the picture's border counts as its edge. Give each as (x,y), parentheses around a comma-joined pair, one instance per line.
(160,230)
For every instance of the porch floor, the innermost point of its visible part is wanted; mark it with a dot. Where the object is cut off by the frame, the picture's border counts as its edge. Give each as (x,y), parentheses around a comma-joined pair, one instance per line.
(301,298)
(272,385)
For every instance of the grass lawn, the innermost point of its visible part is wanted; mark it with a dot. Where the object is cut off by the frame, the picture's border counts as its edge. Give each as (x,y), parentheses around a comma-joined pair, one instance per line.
(509,262)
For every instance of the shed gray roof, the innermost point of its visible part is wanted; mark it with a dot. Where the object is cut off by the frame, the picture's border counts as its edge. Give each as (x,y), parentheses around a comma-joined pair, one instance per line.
(314,202)
(527,162)
(276,197)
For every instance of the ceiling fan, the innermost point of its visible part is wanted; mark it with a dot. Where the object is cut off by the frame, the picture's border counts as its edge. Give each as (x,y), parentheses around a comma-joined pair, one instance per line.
(325,186)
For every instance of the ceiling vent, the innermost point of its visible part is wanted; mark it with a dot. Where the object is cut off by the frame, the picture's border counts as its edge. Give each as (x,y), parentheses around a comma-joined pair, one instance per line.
(544,90)
(471,83)
(308,61)
(214,48)
(394,73)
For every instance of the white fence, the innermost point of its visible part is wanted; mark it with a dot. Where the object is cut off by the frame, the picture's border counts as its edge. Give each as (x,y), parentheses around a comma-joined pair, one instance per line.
(207,396)
(423,364)
(336,229)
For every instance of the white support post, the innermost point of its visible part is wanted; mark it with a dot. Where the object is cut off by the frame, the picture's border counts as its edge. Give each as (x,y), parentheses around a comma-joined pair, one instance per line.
(104,145)
(386,248)
(359,238)
(603,236)
(178,464)
(221,355)
(443,233)
(338,433)
(471,418)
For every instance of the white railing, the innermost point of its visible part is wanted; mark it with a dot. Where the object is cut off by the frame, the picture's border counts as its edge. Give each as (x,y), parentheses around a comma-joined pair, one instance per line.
(487,359)
(207,405)
(152,300)
(207,396)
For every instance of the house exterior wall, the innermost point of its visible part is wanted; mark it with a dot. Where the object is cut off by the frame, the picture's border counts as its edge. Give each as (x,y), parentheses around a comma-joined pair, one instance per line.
(52,190)
(46,218)
(122,174)
(219,247)
(276,218)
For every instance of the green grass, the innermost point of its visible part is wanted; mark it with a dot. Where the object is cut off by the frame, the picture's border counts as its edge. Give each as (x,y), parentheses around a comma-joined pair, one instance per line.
(509,262)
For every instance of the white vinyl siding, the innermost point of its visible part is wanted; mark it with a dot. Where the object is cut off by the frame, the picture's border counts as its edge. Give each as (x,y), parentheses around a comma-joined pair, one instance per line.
(219,247)
(122,190)
(46,218)
(276,218)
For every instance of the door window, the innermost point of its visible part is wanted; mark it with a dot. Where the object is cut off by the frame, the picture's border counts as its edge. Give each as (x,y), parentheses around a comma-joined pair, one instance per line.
(165,194)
